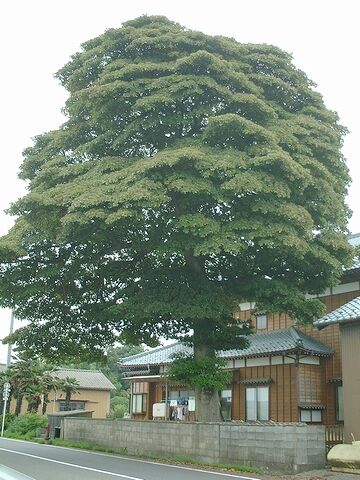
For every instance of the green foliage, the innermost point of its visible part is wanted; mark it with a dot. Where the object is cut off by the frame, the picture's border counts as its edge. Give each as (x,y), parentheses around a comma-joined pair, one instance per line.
(84,445)
(184,460)
(70,386)
(24,426)
(118,406)
(206,373)
(8,419)
(30,378)
(192,173)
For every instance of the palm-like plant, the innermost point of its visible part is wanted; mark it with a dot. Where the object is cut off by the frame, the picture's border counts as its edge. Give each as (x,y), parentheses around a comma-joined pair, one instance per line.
(70,386)
(16,375)
(33,380)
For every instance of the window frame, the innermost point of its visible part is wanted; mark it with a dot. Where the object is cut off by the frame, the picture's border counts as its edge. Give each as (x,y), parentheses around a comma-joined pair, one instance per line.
(256,389)
(63,405)
(226,404)
(139,403)
(259,318)
(311,412)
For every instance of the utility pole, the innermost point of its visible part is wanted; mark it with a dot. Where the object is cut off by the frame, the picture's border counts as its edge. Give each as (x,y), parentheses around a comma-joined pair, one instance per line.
(8,360)
(7,386)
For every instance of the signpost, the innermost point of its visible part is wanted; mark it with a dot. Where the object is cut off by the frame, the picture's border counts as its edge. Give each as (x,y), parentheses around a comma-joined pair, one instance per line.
(6,394)
(7,386)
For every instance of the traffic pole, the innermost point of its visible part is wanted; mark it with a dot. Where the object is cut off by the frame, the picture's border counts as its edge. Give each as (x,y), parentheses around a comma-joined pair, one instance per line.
(6,393)
(7,386)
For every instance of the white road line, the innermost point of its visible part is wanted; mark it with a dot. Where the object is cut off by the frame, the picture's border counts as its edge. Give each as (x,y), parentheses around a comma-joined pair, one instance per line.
(72,465)
(210,472)
(138,460)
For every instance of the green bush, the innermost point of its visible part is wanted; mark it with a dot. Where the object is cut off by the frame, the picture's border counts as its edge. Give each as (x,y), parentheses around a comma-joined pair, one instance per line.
(118,406)
(8,419)
(24,426)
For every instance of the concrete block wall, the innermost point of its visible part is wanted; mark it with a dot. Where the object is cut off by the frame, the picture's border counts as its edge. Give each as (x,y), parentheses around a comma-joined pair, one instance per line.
(288,447)
(281,447)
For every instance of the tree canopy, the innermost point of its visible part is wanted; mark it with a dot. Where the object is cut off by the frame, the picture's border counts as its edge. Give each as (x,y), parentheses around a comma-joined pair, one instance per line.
(192,173)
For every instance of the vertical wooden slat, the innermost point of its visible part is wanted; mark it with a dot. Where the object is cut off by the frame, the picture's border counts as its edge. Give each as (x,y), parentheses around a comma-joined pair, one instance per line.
(334,434)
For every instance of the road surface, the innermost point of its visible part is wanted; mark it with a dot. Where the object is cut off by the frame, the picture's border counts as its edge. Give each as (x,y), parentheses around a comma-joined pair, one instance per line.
(47,462)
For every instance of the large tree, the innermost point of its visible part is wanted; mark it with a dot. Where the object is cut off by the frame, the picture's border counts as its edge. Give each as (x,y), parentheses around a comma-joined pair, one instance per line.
(192,173)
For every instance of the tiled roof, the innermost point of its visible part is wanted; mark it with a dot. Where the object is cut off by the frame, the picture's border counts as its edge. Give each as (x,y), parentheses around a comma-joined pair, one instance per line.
(87,379)
(312,406)
(260,344)
(354,240)
(156,356)
(346,313)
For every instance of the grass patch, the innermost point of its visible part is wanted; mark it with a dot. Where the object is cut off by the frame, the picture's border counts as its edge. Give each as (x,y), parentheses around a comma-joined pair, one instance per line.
(84,446)
(31,435)
(183,460)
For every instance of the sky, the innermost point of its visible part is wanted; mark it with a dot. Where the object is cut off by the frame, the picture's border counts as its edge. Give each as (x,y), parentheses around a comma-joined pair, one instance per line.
(39,36)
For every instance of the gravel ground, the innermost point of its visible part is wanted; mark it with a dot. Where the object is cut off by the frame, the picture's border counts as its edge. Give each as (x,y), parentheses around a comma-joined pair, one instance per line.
(315,475)
(326,474)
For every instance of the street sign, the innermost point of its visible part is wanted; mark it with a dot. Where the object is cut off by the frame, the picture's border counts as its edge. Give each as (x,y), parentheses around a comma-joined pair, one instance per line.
(6,391)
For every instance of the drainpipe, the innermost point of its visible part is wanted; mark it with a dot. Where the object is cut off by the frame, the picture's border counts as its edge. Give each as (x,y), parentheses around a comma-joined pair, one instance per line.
(131,397)
(166,400)
(8,361)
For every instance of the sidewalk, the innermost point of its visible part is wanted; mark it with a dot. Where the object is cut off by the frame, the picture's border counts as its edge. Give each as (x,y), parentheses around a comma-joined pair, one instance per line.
(316,475)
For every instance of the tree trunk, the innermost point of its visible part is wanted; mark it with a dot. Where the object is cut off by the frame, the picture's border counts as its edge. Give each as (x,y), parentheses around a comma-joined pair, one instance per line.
(207,406)
(33,405)
(207,403)
(45,403)
(67,399)
(18,405)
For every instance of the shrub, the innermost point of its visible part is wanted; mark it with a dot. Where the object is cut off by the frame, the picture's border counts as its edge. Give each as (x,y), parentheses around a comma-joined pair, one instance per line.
(24,426)
(8,419)
(119,405)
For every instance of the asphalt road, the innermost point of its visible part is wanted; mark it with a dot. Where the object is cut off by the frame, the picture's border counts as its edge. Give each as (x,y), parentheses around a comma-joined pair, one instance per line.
(46,462)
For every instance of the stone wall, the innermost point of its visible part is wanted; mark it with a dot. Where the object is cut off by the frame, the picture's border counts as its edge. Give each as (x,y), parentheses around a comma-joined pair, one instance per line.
(282,447)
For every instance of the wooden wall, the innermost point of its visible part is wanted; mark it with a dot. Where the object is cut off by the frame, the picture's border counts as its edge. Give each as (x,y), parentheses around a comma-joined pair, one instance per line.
(331,368)
(283,404)
(351,357)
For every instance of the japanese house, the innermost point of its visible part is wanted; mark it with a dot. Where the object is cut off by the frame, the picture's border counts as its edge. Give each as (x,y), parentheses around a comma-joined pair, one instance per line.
(286,374)
(347,317)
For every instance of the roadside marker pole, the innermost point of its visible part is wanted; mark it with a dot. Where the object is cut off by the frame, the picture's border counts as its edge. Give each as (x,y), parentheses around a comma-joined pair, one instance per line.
(7,386)
(6,393)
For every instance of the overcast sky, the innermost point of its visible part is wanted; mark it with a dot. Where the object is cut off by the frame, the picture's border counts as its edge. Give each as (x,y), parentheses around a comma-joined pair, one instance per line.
(38,37)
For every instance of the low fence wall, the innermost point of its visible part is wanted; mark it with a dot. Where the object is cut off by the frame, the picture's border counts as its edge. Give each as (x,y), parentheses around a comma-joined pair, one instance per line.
(334,435)
(283,447)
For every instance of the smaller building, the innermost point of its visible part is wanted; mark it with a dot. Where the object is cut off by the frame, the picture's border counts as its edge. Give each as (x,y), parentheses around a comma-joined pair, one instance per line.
(93,393)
